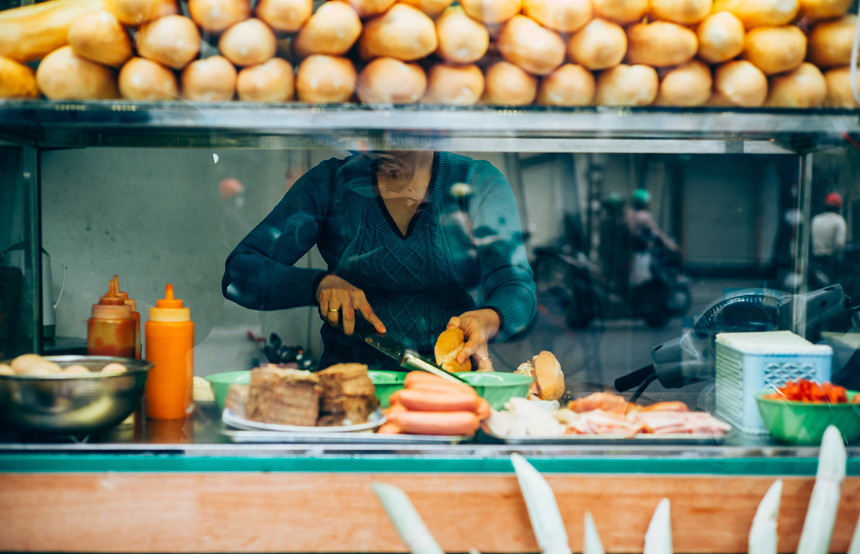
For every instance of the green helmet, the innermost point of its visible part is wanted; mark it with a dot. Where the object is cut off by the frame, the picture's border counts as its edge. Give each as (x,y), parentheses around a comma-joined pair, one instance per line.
(640,199)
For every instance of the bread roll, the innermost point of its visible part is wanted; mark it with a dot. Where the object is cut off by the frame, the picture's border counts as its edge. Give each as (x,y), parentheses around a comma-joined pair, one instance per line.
(621,11)
(142,79)
(31,32)
(775,49)
(99,37)
(389,80)
(660,44)
(433,8)
(739,83)
(721,37)
(549,379)
(138,12)
(63,75)
(371,8)
(456,85)
(249,42)
(20,364)
(824,9)
(839,93)
(448,345)
(830,42)
(627,85)
(569,85)
(686,85)
(461,38)
(214,16)
(325,79)
(564,16)
(172,41)
(285,16)
(491,11)
(332,30)
(506,84)
(271,81)
(17,80)
(532,47)
(684,12)
(211,79)
(804,87)
(758,13)
(598,45)
(403,32)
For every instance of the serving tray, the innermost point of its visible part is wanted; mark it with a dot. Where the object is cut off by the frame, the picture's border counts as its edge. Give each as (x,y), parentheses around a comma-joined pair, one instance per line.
(642,439)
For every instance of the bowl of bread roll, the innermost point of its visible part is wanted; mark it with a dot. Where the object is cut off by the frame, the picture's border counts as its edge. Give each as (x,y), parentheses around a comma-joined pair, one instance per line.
(70,395)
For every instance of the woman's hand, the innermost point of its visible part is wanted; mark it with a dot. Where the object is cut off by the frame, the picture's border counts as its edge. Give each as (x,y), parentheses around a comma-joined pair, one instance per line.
(338,299)
(478,326)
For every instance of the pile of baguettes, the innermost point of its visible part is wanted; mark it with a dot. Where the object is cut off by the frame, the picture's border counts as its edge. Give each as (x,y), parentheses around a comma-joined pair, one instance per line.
(783,53)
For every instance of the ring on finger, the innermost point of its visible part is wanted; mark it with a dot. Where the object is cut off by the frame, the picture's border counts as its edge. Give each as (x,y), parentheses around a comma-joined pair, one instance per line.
(334,309)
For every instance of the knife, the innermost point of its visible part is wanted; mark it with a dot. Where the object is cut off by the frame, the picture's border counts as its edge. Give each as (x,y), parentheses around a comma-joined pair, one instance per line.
(543,509)
(406,357)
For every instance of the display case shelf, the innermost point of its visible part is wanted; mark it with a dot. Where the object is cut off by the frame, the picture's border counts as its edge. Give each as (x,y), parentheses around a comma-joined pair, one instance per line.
(49,124)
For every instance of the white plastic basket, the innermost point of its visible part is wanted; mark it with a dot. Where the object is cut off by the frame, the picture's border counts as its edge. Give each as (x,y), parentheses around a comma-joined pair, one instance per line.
(743,372)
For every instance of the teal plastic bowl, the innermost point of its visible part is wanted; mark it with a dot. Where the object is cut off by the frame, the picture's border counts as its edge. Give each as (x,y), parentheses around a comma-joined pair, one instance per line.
(805,422)
(386,384)
(221,382)
(498,388)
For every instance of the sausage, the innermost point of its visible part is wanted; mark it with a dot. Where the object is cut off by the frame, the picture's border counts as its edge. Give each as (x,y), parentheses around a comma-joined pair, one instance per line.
(422,400)
(388,429)
(414,378)
(436,423)
(483,410)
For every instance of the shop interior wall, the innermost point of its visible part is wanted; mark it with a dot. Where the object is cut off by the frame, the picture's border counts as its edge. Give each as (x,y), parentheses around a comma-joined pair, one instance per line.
(157,216)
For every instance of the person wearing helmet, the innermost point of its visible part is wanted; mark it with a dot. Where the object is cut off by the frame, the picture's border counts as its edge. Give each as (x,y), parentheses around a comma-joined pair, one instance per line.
(829,229)
(643,228)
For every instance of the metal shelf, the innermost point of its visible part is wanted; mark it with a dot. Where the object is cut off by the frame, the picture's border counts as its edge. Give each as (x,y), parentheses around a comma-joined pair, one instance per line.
(54,124)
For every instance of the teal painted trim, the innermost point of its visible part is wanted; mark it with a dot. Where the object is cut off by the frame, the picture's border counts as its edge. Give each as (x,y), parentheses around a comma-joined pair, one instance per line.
(88,463)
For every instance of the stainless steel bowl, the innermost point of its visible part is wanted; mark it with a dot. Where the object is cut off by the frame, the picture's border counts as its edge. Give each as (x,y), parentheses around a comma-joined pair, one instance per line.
(73,404)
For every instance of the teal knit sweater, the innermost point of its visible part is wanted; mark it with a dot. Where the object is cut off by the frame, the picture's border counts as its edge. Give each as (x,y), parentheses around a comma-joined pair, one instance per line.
(463,250)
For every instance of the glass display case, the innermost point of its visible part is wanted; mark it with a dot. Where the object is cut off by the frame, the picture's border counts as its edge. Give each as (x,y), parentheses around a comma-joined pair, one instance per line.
(160,193)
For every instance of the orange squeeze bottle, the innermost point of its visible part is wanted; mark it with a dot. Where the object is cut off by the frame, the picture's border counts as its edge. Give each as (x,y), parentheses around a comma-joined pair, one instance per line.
(134,314)
(169,345)
(110,330)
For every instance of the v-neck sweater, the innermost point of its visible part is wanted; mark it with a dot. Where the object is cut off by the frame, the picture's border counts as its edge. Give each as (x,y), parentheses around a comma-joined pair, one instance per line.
(463,251)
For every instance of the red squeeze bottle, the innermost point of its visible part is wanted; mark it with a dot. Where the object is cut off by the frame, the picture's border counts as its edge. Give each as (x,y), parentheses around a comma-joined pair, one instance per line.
(110,330)
(134,314)
(169,345)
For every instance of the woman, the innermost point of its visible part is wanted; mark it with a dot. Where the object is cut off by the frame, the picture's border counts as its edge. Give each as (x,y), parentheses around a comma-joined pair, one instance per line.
(415,242)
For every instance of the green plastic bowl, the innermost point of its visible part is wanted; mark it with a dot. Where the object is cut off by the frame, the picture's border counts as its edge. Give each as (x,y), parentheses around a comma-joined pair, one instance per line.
(498,388)
(805,422)
(221,382)
(386,383)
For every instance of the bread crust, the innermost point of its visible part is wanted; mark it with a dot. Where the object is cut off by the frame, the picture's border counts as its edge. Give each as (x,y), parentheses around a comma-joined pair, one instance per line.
(448,345)
(548,375)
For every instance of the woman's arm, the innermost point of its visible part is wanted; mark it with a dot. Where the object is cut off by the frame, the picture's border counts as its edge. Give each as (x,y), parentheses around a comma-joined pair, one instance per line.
(260,273)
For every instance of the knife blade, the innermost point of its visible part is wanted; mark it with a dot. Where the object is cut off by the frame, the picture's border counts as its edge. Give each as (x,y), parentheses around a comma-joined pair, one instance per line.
(543,509)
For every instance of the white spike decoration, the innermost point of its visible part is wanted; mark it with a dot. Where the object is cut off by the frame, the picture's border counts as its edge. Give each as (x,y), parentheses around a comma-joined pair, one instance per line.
(763,536)
(409,524)
(821,514)
(658,538)
(592,539)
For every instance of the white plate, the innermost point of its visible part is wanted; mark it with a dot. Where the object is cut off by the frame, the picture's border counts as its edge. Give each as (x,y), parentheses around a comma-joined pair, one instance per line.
(376,419)
(640,438)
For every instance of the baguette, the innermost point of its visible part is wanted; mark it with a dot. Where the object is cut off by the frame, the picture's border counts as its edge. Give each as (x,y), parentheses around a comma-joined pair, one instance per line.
(211,79)
(684,12)
(461,38)
(458,85)
(569,85)
(142,79)
(686,85)
(721,37)
(775,49)
(268,82)
(804,87)
(63,75)
(325,79)
(627,85)
(99,37)
(534,48)
(491,11)
(830,42)
(31,32)
(137,12)
(249,42)
(172,40)
(433,8)
(660,44)
(824,9)
(508,84)
(403,32)
(758,13)
(564,16)
(389,80)
(839,95)
(17,80)
(448,346)
(214,16)
(739,83)
(285,16)
(331,30)
(599,45)
(621,11)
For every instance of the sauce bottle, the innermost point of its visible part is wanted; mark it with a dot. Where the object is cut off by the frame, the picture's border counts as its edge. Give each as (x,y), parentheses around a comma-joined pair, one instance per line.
(110,330)
(169,345)
(134,314)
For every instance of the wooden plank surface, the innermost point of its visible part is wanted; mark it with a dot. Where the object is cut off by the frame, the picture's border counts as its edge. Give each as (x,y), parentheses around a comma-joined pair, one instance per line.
(337,512)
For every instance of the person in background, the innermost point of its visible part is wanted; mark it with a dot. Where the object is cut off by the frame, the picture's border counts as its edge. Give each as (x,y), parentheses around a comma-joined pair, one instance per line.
(414,242)
(643,228)
(829,228)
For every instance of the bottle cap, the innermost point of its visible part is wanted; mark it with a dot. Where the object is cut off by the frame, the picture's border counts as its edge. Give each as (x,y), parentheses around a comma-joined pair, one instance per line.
(169,308)
(111,305)
(124,295)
